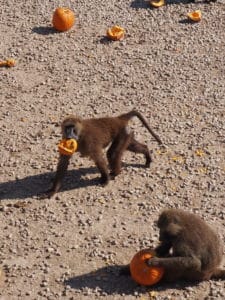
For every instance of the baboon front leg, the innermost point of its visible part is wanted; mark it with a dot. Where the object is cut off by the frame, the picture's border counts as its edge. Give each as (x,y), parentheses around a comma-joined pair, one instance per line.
(137,147)
(163,249)
(115,152)
(102,166)
(60,173)
(176,263)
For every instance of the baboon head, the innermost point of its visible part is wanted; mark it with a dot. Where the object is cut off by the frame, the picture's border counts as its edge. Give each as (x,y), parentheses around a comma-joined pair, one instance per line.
(169,226)
(71,128)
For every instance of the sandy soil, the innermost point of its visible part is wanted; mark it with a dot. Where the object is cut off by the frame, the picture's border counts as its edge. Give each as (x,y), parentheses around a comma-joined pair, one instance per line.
(173,72)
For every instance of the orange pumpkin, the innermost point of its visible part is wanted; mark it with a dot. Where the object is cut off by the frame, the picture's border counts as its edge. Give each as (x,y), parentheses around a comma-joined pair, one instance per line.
(141,272)
(195,16)
(8,63)
(63,19)
(115,33)
(67,146)
(157,3)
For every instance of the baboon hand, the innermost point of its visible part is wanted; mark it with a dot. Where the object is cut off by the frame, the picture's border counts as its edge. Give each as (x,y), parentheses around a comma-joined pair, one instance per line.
(47,194)
(153,262)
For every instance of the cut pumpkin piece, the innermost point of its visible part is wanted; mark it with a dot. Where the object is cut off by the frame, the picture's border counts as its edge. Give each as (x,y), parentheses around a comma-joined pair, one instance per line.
(115,33)
(195,15)
(8,63)
(67,146)
(157,3)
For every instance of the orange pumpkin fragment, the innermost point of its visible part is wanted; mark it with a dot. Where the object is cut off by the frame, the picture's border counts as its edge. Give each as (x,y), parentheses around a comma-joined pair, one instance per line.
(63,19)
(67,146)
(141,272)
(195,15)
(8,63)
(157,3)
(115,33)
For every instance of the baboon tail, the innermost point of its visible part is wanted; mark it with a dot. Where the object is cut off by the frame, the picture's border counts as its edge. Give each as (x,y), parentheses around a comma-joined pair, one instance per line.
(218,274)
(135,113)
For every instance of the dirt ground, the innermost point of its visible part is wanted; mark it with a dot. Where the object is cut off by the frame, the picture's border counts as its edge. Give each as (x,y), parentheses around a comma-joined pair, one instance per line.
(172,71)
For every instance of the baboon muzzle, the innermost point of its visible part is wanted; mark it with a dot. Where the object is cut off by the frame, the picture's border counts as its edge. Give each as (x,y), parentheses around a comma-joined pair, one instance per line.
(69,132)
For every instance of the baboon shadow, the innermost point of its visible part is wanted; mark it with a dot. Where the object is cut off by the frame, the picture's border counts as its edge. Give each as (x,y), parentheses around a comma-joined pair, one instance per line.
(45,30)
(109,281)
(35,185)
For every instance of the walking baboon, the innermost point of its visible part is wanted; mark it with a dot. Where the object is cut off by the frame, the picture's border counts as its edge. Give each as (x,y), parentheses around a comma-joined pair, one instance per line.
(94,135)
(189,249)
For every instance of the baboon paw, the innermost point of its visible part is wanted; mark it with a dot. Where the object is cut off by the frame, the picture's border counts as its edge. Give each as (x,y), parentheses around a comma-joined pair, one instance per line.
(46,195)
(104,181)
(152,262)
(112,176)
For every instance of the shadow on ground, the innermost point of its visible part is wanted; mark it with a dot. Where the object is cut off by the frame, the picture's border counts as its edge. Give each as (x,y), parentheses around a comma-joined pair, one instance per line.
(142,4)
(44,30)
(106,279)
(31,186)
(36,185)
(109,281)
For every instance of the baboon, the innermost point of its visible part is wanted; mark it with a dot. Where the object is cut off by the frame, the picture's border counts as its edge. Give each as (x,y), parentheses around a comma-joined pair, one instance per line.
(94,135)
(189,249)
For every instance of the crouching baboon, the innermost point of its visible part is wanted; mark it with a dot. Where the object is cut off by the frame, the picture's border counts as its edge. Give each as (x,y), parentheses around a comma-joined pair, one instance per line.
(94,135)
(189,249)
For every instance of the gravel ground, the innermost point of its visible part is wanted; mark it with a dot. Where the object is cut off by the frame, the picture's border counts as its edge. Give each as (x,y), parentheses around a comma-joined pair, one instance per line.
(173,72)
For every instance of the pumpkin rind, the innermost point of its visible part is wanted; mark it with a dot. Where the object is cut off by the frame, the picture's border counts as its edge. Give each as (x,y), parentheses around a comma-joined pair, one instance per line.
(157,3)
(8,63)
(195,16)
(67,146)
(141,272)
(115,33)
(63,19)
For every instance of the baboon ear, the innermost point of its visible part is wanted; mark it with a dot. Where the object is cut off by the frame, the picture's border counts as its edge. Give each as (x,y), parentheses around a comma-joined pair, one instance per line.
(163,219)
(78,127)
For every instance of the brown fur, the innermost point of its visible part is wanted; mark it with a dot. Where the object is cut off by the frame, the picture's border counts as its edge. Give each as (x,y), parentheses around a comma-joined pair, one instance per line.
(189,250)
(94,135)
(196,248)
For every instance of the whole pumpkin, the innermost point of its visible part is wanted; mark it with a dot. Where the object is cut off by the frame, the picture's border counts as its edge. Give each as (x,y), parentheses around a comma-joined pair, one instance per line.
(67,146)
(63,19)
(141,272)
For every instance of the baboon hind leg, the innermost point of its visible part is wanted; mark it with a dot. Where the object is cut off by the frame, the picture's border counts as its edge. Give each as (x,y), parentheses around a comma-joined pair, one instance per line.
(136,147)
(102,166)
(115,152)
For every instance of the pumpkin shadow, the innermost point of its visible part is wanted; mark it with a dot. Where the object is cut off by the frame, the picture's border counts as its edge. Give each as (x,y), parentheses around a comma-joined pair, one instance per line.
(105,40)
(187,21)
(108,280)
(44,30)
